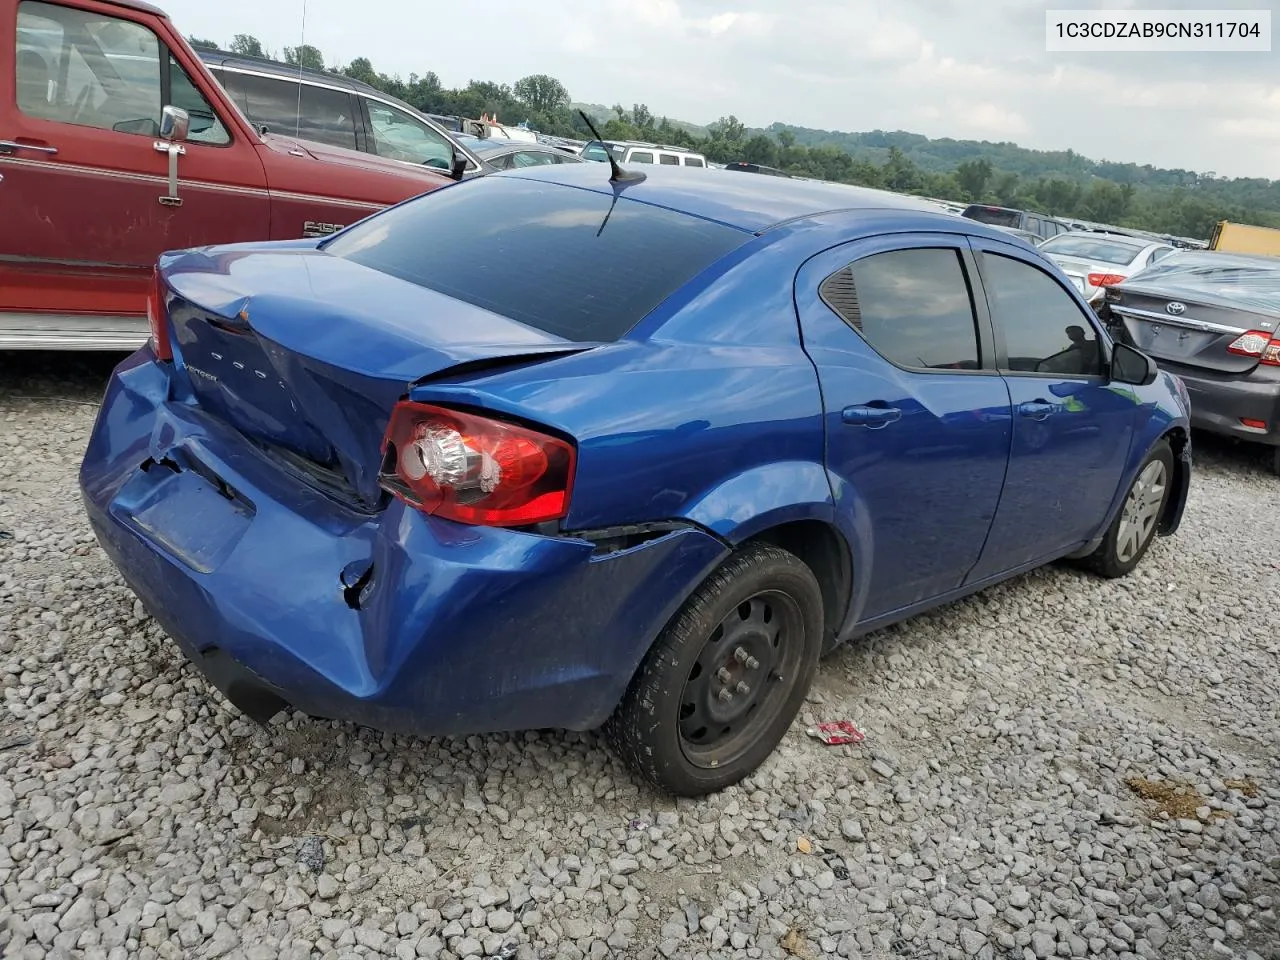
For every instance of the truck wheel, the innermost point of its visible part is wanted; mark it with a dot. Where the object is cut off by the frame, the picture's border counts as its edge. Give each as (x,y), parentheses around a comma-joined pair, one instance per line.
(1133,529)
(724,681)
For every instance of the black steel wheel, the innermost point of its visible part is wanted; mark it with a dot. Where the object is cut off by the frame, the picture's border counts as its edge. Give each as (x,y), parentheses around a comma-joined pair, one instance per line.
(726,678)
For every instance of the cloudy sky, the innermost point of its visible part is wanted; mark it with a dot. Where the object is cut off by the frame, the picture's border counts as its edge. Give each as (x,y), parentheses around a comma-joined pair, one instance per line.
(970,69)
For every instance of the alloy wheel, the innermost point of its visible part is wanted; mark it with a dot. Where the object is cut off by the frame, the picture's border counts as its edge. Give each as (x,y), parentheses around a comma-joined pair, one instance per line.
(1141,510)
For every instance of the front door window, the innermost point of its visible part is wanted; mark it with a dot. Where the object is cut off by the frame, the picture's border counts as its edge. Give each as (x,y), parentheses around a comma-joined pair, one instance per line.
(89,69)
(398,135)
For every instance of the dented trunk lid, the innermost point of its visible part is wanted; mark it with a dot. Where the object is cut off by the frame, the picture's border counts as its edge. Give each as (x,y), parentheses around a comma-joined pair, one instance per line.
(309,362)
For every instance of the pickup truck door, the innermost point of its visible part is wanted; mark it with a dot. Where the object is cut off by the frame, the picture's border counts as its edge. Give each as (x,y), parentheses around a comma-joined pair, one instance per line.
(86,188)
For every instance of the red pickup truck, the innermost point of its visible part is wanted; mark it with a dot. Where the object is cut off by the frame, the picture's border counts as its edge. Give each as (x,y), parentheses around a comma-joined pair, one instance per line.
(116,144)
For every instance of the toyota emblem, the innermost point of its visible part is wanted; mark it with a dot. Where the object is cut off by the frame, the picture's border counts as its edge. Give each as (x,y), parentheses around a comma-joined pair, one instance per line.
(1176,308)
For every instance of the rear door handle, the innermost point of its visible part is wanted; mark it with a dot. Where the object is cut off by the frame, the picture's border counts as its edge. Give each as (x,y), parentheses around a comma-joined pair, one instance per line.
(870,415)
(8,146)
(1036,409)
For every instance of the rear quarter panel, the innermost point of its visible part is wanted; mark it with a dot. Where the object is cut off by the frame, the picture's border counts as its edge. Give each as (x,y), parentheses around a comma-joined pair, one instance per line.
(708,411)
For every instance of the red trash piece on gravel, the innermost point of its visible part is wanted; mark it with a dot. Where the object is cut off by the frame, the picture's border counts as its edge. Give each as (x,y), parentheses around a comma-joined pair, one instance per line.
(836,732)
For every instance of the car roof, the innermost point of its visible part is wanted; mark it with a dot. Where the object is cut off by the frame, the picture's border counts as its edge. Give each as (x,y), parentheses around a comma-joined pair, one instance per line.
(1124,239)
(492,145)
(287,72)
(753,204)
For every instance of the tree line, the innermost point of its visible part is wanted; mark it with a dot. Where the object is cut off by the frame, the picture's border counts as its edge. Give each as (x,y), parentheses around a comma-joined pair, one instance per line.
(1059,183)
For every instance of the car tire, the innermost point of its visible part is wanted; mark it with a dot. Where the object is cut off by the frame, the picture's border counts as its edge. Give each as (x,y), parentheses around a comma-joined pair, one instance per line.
(753,628)
(1134,528)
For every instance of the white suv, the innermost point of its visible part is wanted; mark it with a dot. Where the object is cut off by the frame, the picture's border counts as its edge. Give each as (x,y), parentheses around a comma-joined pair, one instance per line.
(633,151)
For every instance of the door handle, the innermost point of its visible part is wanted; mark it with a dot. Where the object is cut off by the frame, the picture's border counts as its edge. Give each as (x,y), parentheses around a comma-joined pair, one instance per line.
(872,415)
(1036,409)
(8,146)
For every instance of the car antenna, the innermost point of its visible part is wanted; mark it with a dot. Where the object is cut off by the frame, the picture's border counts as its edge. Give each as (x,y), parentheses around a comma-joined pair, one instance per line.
(617,174)
(302,45)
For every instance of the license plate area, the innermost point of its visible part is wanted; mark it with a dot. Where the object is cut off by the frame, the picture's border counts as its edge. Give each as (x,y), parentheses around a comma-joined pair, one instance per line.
(1168,340)
(195,518)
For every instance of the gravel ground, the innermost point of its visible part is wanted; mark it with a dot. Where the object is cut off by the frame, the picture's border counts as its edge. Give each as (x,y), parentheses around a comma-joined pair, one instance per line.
(1059,767)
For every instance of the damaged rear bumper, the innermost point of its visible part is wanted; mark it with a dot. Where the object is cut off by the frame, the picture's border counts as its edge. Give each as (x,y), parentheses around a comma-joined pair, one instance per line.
(392,619)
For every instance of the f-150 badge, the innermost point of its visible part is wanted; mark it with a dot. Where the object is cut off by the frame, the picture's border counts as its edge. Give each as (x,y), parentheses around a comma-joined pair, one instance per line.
(314,228)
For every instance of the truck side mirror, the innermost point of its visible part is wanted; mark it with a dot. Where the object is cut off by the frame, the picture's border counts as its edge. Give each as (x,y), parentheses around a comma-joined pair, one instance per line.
(174,124)
(459,166)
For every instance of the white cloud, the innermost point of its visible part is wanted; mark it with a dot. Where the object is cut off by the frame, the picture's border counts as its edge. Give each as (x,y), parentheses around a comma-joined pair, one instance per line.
(989,119)
(954,68)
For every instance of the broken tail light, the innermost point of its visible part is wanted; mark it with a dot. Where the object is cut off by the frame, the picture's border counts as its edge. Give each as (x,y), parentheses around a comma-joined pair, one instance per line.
(475,469)
(1259,344)
(158,318)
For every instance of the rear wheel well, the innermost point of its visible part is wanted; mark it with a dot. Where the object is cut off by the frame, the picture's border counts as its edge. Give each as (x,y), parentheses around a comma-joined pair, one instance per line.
(1177,439)
(824,551)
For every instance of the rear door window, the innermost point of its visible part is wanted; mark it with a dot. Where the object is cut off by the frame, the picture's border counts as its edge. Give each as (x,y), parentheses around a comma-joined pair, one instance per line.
(669,159)
(913,307)
(575,263)
(321,114)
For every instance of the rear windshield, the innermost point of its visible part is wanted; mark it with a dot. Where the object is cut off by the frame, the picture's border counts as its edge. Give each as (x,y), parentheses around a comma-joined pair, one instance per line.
(1241,282)
(556,258)
(1091,248)
(992,215)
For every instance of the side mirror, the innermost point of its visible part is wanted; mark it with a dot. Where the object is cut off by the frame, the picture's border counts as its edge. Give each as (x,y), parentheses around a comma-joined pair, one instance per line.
(174,124)
(459,166)
(1131,366)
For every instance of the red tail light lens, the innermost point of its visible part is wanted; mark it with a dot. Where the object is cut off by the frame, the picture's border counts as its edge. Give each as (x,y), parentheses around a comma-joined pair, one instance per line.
(1105,279)
(158,318)
(1259,344)
(475,469)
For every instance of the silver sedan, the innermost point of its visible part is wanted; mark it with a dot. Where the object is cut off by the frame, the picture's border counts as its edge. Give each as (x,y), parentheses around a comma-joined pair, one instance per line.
(1093,261)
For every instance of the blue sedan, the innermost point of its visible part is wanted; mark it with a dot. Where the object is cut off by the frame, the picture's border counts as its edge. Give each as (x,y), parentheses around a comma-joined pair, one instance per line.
(560,449)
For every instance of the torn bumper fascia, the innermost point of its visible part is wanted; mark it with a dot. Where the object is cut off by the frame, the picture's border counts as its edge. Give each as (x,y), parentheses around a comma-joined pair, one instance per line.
(390,619)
